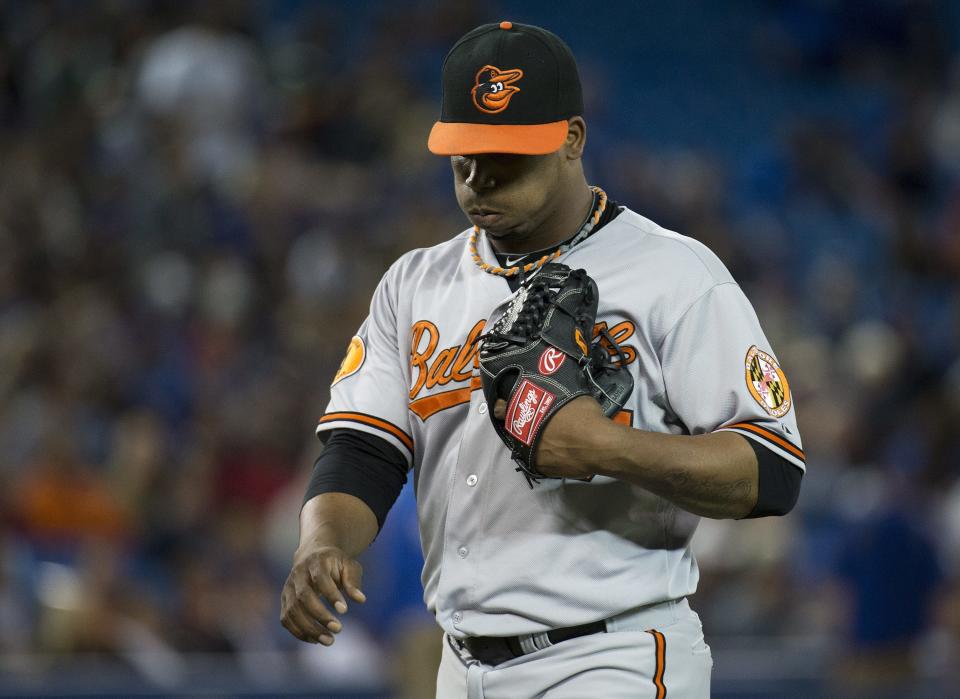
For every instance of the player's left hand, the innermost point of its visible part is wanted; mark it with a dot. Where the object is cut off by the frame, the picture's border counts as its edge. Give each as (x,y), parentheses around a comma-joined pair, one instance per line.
(568,446)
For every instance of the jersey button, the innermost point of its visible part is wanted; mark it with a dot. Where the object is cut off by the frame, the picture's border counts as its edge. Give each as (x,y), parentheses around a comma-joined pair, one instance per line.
(472,479)
(482,409)
(457,617)
(463,551)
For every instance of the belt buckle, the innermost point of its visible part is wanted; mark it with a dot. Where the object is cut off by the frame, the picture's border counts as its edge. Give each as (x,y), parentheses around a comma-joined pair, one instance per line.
(531,643)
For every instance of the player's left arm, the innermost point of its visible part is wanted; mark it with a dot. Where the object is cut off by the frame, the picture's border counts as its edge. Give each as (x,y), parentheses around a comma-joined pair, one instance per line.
(712,475)
(742,455)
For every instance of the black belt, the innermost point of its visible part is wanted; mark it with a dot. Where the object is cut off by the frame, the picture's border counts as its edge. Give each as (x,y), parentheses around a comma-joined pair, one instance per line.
(493,650)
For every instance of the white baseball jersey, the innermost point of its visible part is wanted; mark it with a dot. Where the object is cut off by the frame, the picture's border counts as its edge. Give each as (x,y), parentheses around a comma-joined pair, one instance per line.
(502,558)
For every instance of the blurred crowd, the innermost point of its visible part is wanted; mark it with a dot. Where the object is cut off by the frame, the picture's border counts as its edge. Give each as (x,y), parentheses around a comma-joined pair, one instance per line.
(196,201)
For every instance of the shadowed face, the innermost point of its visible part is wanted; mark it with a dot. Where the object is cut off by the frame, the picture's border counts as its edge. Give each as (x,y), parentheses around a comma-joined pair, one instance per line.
(525,202)
(509,196)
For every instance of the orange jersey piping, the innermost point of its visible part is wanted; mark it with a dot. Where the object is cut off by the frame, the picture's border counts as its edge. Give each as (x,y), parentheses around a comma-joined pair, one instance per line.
(769,435)
(372,421)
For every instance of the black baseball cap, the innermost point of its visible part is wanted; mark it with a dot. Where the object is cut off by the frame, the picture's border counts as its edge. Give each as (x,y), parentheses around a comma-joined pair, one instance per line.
(507,88)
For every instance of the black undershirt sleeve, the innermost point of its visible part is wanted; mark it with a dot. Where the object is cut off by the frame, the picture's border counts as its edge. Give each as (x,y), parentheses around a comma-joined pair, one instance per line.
(362,465)
(779,483)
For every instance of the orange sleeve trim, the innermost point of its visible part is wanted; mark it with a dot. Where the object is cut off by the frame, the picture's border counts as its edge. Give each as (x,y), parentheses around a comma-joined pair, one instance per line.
(661,663)
(372,421)
(769,435)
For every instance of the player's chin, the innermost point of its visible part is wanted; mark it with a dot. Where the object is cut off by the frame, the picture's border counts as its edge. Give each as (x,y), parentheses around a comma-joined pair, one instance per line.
(492,222)
(498,226)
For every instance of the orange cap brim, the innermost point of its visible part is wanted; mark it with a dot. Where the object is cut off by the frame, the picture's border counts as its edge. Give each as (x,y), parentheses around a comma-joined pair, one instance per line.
(448,138)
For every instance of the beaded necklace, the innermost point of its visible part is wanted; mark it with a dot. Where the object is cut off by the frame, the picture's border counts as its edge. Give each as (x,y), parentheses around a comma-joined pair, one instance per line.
(584,231)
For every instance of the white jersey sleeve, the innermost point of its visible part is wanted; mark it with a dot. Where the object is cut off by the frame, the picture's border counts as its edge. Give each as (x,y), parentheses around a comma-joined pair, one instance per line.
(369,391)
(720,373)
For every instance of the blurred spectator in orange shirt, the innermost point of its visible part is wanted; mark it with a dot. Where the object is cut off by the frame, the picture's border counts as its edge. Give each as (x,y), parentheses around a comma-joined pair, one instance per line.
(61,501)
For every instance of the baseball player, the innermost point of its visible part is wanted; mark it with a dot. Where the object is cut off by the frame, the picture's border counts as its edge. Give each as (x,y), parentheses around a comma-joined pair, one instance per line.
(574,586)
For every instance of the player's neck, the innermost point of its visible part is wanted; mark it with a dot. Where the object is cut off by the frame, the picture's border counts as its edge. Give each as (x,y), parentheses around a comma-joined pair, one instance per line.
(563,222)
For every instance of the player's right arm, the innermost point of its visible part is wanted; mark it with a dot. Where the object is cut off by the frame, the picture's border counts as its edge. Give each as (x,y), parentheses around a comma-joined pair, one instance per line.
(334,529)
(358,476)
(355,482)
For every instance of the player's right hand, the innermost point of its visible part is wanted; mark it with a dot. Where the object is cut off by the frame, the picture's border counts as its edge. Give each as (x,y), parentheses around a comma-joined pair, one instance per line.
(317,581)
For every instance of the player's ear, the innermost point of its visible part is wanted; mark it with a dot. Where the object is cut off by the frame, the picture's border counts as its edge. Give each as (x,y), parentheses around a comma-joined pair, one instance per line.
(576,138)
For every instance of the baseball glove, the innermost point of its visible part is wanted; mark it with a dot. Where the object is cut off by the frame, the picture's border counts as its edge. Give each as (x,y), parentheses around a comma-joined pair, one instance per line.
(537,357)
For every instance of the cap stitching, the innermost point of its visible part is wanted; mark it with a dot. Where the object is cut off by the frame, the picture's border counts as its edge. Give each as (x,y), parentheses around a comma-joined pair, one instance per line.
(556,59)
(500,39)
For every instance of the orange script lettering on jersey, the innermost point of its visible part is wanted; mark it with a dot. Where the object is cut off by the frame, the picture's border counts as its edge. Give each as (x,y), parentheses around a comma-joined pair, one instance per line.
(621,332)
(432,368)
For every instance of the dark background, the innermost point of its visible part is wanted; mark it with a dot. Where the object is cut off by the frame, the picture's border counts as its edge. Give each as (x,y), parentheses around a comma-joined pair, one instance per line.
(195,205)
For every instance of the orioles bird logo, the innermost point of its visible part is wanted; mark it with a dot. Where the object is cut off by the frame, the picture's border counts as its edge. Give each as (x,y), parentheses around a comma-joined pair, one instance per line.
(494,88)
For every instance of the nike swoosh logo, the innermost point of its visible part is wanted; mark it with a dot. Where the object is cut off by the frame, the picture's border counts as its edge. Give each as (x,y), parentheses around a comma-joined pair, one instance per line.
(510,263)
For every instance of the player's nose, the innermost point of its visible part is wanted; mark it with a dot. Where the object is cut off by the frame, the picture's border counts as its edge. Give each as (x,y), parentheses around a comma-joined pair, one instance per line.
(479,177)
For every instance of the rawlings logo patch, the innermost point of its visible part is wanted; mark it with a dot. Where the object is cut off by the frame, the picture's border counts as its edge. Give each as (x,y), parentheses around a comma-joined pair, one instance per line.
(529,406)
(550,361)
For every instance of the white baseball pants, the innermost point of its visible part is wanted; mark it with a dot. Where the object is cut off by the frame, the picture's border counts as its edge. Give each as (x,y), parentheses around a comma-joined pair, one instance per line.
(656,652)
